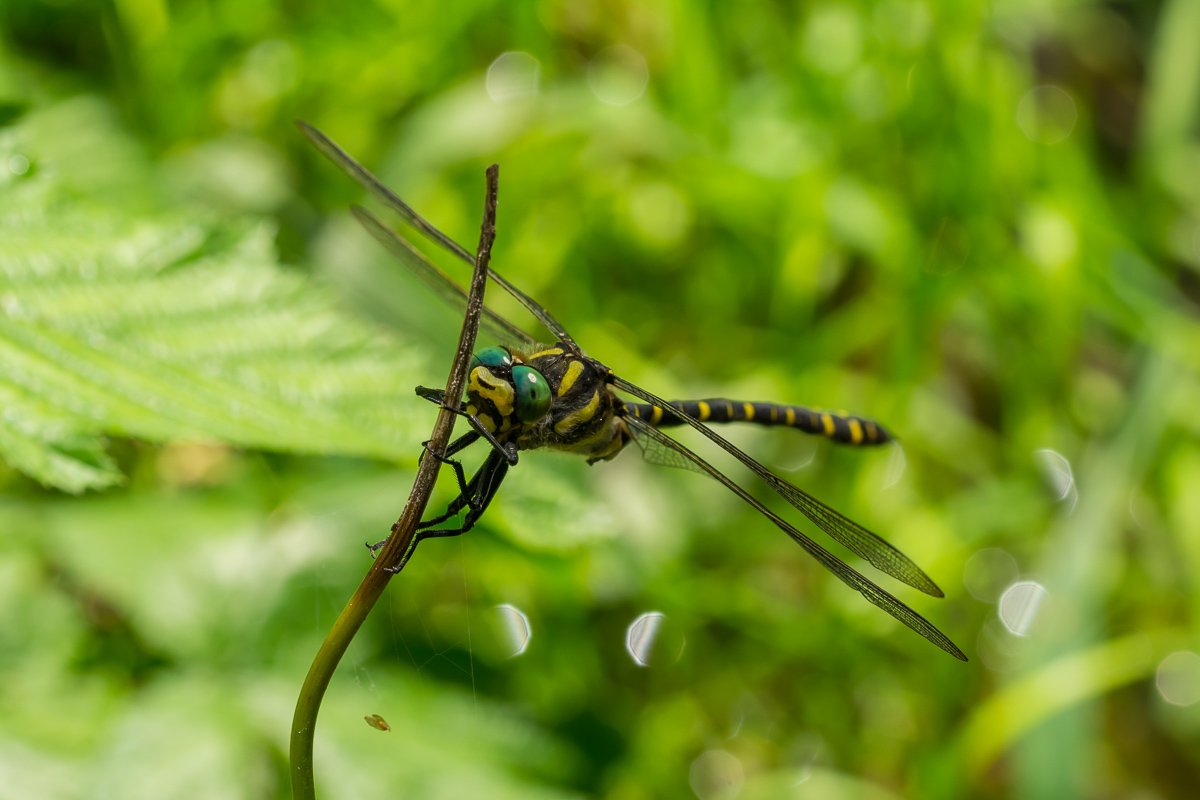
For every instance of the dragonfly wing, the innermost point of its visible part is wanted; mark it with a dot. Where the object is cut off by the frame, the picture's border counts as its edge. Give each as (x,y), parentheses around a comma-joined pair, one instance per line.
(439,282)
(355,170)
(861,541)
(654,451)
(333,151)
(654,440)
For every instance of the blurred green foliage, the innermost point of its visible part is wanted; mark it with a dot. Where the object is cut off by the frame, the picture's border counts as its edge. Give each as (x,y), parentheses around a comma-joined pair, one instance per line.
(978,223)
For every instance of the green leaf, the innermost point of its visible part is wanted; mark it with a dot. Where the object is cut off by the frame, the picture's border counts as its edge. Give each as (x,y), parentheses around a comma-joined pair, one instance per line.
(173,325)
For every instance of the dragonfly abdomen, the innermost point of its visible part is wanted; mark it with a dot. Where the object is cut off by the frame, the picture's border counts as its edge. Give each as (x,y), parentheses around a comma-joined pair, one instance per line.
(841,428)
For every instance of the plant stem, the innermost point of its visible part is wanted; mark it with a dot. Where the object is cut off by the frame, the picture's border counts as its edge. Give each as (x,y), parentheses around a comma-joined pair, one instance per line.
(355,613)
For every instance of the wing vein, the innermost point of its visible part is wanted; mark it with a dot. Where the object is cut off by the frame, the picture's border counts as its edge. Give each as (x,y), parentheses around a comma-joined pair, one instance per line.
(869,546)
(439,282)
(331,150)
(849,576)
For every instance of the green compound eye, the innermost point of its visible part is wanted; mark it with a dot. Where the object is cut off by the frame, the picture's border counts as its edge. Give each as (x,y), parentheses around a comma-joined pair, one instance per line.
(533,393)
(492,357)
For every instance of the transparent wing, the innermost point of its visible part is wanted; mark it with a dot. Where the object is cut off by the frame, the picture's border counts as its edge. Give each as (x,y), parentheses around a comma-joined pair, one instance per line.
(439,282)
(652,440)
(355,170)
(655,451)
(861,541)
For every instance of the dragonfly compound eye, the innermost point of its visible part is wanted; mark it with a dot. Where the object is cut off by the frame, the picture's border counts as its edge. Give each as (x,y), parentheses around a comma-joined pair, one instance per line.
(533,393)
(492,358)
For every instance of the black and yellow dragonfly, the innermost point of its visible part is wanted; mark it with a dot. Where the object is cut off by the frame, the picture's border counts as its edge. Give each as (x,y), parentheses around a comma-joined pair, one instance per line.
(524,395)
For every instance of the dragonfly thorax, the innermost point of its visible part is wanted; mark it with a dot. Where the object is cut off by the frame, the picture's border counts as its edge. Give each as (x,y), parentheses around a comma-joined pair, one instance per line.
(549,396)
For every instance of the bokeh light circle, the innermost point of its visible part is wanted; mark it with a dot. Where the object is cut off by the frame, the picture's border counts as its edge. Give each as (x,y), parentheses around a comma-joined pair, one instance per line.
(1047,114)
(988,572)
(1056,471)
(514,628)
(512,75)
(1020,606)
(1178,678)
(653,639)
(716,775)
(618,75)
(1001,651)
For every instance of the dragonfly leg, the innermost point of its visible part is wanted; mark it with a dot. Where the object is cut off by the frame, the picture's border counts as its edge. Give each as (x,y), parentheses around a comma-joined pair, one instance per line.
(455,447)
(464,489)
(437,396)
(477,496)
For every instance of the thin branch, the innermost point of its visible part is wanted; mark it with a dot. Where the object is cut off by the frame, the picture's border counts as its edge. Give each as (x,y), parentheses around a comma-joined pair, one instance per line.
(355,613)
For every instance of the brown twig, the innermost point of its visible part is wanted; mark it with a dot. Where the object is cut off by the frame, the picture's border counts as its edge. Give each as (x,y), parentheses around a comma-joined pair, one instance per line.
(355,613)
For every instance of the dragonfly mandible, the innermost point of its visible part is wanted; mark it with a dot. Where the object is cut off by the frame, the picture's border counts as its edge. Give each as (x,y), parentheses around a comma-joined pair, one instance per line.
(526,395)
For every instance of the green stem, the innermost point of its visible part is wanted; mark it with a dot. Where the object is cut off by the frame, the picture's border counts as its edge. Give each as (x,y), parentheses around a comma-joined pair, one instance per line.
(304,721)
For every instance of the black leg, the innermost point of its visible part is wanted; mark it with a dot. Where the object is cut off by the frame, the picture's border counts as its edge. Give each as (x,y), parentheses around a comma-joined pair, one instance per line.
(438,396)
(482,488)
(455,447)
(475,495)
(466,496)
(465,490)
(461,443)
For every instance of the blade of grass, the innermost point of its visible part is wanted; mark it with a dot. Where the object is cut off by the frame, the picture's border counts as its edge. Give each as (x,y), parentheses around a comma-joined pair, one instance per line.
(308,704)
(1075,678)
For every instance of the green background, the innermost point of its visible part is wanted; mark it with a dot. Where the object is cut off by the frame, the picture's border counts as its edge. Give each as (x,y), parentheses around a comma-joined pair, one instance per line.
(978,223)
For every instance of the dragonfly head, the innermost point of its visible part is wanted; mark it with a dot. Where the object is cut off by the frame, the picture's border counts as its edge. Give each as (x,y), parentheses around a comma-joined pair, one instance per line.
(504,394)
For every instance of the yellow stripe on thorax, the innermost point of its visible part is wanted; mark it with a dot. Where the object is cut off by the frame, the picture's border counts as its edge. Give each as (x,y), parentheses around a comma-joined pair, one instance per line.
(579,417)
(615,446)
(587,443)
(573,373)
(553,351)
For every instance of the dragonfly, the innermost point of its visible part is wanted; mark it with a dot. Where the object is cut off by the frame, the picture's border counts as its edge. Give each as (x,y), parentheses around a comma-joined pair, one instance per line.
(524,394)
